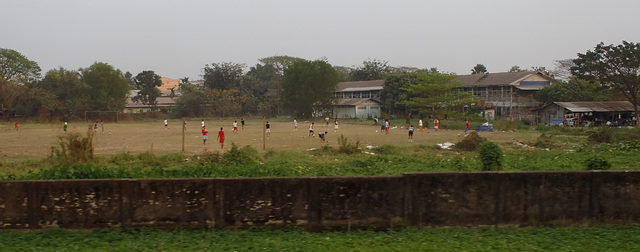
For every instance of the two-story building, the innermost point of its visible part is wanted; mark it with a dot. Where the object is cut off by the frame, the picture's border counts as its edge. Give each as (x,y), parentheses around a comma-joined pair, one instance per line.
(358,99)
(506,95)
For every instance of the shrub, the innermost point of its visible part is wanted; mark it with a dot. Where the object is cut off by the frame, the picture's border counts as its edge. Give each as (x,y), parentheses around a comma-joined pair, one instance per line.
(245,155)
(387,149)
(347,147)
(470,142)
(601,135)
(490,156)
(543,141)
(208,157)
(597,163)
(74,148)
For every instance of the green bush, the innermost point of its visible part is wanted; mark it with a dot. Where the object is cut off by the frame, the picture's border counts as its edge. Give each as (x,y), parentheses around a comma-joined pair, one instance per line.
(470,142)
(244,156)
(490,156)
(601,135)
(73,148)
(597,163)
(387,149)
(346,147)
(543,141)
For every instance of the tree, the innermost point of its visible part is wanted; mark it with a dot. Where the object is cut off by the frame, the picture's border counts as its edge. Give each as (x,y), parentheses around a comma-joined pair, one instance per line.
(394,92)
(515,69)
(563,69)
(17,68)
(225,75)
(192,102)
(308,87)
(479,68)
(371,70)
(617,66)
(108,88)
(571,91)
(70,92)
(10,94)
(148,81)
(436,95)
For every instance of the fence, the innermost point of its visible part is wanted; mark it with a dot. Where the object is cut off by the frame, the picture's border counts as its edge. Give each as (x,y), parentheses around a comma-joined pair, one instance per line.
(327,203)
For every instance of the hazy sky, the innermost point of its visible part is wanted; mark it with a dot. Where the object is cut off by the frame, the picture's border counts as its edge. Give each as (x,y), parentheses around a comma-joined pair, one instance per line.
(177,38)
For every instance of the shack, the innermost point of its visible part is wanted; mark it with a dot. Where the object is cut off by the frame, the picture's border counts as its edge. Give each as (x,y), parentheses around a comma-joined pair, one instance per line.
(618,113)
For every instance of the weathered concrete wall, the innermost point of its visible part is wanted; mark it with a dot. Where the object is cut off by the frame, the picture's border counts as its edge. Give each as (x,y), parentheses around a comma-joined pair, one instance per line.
(327,203)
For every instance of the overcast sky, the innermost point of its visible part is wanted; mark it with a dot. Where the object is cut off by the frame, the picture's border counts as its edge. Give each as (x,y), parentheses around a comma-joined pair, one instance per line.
(177,38)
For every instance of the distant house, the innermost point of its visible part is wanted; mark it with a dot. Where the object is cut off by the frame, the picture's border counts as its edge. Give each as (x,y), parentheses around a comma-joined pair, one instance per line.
(358,99)
(357,108)
(167,85)
(506,95)
(163,103)
(588,113)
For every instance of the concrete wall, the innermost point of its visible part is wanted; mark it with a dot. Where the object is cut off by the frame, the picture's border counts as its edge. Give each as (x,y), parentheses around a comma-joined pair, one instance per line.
(327,203)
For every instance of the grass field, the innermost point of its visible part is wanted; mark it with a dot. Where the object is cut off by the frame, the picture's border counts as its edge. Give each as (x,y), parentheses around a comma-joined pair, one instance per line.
(616,238)
(34,141)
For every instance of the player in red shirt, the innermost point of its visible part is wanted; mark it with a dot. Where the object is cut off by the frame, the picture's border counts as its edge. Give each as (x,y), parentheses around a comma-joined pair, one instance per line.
(466,129)
(221,138)
(204,135)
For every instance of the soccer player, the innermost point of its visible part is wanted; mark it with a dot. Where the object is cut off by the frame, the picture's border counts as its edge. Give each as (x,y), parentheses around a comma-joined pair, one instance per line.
(386,126)
(295,124)
(204,135)
(436,123)
(268,129)
(466,128)
(166,123)
(411,133)
(323,136)
(311,130)
(235,126)
(242,122)
(221,138)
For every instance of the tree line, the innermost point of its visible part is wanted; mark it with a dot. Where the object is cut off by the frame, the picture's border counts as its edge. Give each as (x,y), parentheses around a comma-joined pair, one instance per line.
(284,85)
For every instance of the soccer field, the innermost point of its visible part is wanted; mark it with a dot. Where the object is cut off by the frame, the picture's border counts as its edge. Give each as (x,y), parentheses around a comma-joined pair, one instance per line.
(35,140)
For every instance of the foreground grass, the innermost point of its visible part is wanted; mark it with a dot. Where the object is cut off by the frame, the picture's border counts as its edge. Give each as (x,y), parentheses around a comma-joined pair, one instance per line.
(617,238)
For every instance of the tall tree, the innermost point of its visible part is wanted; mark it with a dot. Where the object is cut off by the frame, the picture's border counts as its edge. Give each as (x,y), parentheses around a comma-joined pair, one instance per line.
(436,95)
(71,93)
(394,92)
(617,66)
(371,70)
(17,68)
(10,94)
(571,91)
(108,88)
(515,69)
(563,69)
(308,87)
(225,75)
(148,81)
(479,68)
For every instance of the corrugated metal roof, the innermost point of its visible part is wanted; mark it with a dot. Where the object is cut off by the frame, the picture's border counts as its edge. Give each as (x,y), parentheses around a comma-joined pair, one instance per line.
(361,85)
(497,79)
(609,106)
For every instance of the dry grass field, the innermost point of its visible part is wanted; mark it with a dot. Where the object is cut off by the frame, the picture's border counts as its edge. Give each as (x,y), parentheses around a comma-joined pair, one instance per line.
(34,141)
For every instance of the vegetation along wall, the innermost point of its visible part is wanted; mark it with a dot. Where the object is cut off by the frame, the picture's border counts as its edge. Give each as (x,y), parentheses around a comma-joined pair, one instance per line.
(327,203)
